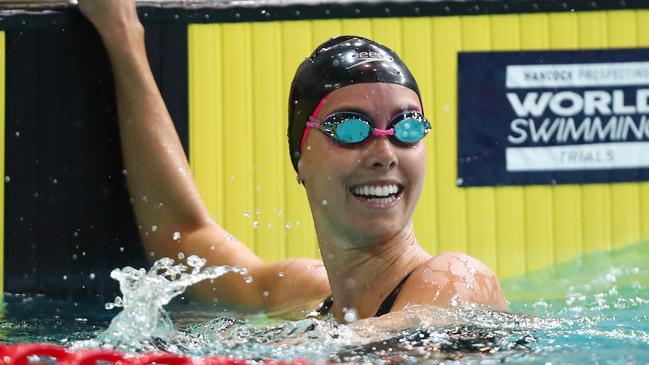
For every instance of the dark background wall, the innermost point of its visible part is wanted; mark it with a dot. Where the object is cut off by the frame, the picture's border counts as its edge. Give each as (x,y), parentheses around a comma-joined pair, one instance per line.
(67,212)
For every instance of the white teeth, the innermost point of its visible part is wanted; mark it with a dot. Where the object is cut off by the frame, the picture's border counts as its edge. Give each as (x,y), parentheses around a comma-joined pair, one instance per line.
(376,190)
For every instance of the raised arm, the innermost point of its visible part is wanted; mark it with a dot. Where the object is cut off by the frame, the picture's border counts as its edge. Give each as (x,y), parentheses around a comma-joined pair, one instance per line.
(168,208)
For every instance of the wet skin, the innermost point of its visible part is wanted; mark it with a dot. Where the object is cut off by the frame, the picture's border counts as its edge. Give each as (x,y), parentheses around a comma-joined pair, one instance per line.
(331,171)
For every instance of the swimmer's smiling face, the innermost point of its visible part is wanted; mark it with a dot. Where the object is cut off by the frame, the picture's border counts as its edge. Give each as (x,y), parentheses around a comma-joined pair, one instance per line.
(343,184)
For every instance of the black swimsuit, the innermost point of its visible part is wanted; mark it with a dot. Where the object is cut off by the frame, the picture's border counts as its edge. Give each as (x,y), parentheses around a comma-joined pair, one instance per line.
(384,308)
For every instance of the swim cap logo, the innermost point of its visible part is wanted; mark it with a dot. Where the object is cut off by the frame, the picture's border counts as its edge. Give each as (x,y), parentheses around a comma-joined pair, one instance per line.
(367,57)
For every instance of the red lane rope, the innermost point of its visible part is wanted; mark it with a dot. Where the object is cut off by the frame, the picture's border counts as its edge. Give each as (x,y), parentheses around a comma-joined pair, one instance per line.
(47,354)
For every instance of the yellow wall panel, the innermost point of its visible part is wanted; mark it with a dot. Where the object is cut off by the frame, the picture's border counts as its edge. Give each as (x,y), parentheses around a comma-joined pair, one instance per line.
(451,207)
(237,115)
(511,229)
(269,152)
(388,31)
(299,42)
(205,104)
(325,29)
(359,27)
(2,152)
(418,54)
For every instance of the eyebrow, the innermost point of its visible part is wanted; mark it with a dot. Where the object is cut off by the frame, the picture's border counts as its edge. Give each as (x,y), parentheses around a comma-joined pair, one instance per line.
(356,109)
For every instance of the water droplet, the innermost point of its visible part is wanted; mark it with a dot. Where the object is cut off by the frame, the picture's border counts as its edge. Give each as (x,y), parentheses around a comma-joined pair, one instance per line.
(181,255)
(248,279)
(75,234)
(74,256)
(154,228)
(65,277)
(176,236)
(145,198)
(280,274)
(121,249)
(7,179)
(323,202)
(257,211)
(265,294)
(255,224)
(55,181)
(17,134)
(246,214)
(460,181)
(92,276)
(288,225)
(350,314)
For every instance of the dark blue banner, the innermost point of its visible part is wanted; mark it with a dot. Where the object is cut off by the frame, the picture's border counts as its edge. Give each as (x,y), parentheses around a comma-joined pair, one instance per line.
(553,117)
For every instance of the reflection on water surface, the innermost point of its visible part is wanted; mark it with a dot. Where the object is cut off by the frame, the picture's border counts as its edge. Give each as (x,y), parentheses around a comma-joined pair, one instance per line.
(593,309)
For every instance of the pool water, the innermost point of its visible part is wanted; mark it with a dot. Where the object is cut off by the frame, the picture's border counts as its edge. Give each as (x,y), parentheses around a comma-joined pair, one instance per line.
(592,309)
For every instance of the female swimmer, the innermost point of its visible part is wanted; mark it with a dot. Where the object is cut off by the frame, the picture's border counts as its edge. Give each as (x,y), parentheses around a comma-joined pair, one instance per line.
(356,134)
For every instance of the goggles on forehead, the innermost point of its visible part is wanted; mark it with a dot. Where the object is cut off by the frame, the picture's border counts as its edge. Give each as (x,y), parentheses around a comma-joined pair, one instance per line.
(351,128)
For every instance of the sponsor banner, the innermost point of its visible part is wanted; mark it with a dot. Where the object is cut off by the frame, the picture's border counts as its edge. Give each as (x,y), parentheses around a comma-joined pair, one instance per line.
(553,117)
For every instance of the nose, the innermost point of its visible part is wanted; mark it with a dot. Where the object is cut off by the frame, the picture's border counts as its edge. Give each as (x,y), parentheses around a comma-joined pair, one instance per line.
(380,153)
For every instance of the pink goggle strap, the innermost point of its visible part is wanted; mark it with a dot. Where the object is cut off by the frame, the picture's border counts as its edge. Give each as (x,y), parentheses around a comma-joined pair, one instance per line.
(313,116)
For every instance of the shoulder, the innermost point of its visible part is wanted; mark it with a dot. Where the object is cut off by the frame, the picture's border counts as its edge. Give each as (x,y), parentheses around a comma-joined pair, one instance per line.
(452,277)
(294,284)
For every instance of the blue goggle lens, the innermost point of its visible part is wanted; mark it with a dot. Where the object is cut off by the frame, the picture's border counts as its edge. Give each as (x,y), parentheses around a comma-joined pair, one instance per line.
(352,130)
(349,128)
(409,130)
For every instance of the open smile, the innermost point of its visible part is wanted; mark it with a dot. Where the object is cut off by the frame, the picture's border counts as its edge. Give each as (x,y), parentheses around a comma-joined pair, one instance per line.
(378,195)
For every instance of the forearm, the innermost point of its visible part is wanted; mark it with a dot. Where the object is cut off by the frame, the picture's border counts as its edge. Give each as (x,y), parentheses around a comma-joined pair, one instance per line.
(158,174)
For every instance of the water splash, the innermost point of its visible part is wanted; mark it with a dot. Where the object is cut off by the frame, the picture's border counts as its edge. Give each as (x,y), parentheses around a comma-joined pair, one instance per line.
(143,321)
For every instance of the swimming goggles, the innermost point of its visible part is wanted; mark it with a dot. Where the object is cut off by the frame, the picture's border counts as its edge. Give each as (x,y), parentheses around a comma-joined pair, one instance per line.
(351,128)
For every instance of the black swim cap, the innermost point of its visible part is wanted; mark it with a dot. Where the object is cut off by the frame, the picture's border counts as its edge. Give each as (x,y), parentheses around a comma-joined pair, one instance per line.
(339,62)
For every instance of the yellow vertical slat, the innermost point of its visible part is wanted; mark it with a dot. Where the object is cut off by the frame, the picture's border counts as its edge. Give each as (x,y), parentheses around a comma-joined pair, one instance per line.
(237,116)
(358,27)
(451,208)
(510,205)
(625,198)
(269,114)
(480,201)
(205,118)
(539,232)
(387,31)
(2,158)
(300,234)
(642,33)
(567,198)
(323,30)
(596,199)
(418,55)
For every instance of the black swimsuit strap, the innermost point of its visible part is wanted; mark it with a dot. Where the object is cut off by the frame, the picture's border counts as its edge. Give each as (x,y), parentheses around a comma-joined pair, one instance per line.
(388,302)
(384,308)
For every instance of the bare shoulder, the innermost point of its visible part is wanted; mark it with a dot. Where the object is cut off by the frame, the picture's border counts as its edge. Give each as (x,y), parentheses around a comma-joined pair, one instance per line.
(295,284)
(449,277)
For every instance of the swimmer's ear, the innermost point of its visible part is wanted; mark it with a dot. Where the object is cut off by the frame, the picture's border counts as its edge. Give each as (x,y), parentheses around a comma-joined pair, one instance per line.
(299,179)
